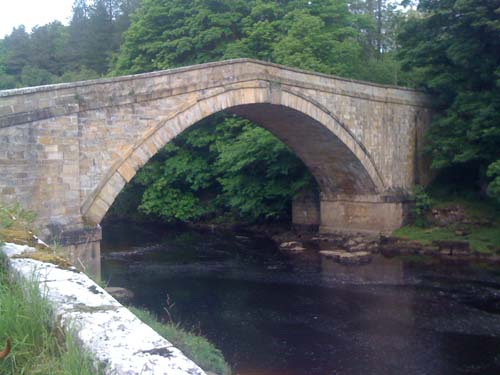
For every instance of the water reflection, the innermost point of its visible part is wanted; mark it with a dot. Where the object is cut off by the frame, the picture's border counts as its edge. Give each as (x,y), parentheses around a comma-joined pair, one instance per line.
(274,313)
(381,270)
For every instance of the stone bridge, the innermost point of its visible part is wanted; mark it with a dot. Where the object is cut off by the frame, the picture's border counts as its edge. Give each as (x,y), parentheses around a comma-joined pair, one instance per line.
(67,150)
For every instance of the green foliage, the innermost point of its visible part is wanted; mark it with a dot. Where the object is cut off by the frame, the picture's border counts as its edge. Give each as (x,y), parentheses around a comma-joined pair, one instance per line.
(494,186)
(323,36)
(223,165)
(31,76)
(79,75)
(258,174)
(483,239)
(56,53)
(423,204)
(196,347)
(454,48)
(481,227)
(26,317)
(14,213)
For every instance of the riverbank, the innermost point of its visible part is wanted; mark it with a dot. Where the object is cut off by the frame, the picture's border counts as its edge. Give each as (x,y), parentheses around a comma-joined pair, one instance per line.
(34,347)
(453,228)
(196,347)
(68,308)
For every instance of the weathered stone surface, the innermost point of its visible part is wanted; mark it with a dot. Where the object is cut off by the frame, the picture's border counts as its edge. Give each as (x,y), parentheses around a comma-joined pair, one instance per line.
(67,150)
(292,246)
(346,257)
(451,247)
(116,339)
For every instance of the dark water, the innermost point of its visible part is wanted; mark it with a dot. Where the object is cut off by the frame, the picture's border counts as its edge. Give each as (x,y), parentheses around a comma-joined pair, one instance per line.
(273,313)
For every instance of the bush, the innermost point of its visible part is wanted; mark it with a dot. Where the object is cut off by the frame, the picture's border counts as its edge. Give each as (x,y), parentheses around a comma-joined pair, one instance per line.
(423,204)
(494,186)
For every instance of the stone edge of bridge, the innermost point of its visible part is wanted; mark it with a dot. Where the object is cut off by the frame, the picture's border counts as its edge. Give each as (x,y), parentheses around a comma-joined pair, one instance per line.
(159,73)
(117,341)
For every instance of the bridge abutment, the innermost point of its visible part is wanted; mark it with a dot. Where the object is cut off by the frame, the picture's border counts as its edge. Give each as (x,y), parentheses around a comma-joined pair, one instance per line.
(364,213)
(83,246)
(350,213)
(306,213)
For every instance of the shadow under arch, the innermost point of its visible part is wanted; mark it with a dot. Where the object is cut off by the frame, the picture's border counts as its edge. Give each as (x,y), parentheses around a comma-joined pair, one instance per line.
(340,164)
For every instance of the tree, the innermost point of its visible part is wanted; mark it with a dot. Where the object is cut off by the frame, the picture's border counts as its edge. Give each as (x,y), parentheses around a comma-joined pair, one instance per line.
(320,35)
(18,48)
(454,48)
(48,47)
(32,76)
(101,42)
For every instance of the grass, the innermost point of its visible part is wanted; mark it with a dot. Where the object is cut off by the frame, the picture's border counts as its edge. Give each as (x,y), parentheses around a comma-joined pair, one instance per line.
(483,234)
(15,227)
(37,349)
(196,347)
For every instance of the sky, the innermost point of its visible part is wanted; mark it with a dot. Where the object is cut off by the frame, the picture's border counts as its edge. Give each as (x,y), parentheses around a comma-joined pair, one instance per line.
(31,13)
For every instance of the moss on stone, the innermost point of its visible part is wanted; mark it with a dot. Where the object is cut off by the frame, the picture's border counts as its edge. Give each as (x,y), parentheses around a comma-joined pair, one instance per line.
(46,256)
(17,235)
(15,227)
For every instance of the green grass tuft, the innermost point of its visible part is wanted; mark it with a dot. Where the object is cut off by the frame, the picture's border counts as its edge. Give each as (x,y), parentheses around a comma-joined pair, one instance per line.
(196,347)
(36,349)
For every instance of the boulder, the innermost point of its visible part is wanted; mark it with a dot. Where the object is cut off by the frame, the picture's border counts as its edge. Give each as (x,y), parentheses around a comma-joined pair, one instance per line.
(123,295)
(453,247)
(292,246)
(345,257)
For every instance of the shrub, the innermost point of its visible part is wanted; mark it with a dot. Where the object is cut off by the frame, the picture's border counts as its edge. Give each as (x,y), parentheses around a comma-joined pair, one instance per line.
(423,204)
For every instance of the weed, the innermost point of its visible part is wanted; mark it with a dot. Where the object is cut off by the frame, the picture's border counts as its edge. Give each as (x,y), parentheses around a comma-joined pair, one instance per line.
(196,347)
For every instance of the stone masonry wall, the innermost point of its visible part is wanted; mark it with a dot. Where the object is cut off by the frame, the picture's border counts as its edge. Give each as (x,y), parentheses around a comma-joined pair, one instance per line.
(67,150)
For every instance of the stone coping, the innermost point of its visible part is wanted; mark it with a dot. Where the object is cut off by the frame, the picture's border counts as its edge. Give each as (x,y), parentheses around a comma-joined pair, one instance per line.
(29,90)
(116,339)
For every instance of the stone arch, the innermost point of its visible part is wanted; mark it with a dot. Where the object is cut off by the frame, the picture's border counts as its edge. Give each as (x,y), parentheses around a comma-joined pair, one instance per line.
(353,173)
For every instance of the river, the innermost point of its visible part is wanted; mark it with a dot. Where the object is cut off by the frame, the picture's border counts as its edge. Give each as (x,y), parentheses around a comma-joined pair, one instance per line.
(275,313)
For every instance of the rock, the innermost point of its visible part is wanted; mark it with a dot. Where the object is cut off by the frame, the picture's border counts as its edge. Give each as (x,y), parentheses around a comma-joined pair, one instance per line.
(453,247)
(293,246)
(332,254)
(358,247)
(345,257)
(123,295)
(448,215)
(391,246)
(358,257)
(290,245)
